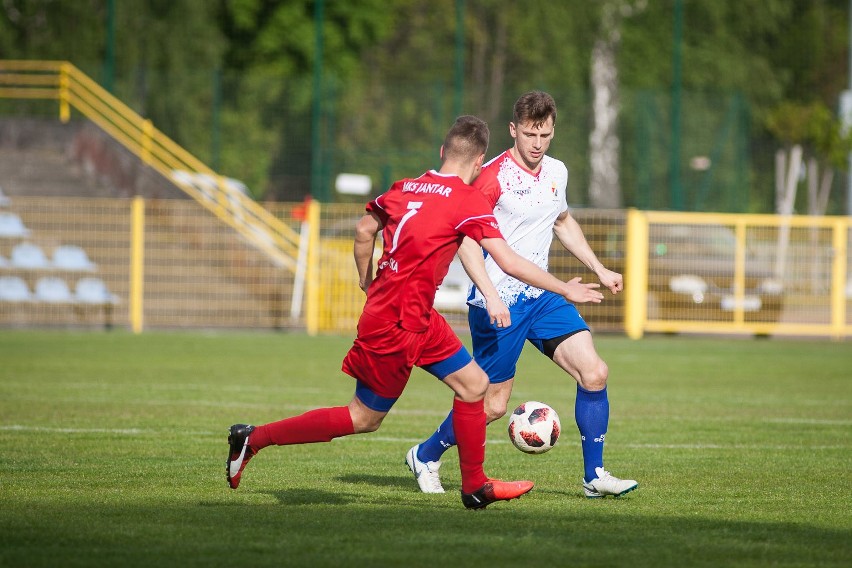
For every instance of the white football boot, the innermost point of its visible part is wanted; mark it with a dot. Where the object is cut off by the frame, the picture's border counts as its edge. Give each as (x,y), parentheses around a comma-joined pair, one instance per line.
(607,484)
(426,473)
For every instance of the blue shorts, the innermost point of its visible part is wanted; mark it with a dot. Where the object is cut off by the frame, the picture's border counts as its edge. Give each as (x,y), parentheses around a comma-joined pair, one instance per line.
(497,350)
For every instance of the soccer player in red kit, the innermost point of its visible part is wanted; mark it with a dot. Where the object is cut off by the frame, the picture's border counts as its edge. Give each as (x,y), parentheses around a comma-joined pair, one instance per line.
(423,221)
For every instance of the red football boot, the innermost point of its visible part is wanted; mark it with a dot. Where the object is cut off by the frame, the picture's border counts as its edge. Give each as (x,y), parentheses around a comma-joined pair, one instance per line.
(496,490)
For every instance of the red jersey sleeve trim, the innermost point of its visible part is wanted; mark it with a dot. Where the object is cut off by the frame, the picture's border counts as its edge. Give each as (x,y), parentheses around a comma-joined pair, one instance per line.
(374,204)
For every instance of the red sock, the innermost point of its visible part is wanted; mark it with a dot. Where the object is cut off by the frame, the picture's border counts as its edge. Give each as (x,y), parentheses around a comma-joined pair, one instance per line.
(320,425)
(469,427)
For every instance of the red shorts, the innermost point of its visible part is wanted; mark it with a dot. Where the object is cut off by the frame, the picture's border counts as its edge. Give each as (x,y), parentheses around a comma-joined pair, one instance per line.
(384,353)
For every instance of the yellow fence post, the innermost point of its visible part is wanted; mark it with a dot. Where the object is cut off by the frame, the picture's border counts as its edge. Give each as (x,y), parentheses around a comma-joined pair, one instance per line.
(636,274)
(64,107)
(137,260)
(739,272)
(312,307)
(838,278)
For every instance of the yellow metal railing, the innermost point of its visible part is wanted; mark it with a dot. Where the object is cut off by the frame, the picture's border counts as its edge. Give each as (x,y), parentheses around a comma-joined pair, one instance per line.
(173,265)
(62,81)
(733,273)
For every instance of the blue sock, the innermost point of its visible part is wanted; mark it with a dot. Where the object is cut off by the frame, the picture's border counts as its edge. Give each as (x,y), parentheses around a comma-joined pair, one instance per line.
(591,411)
(442,440)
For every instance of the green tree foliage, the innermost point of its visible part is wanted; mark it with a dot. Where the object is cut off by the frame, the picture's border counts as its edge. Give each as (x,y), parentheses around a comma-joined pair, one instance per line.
(166,52)
(816,128)
(770,51)
(47,29)
(812,54)
(270,62)
(278,37)
(390,90)
(725,46)
(407,99)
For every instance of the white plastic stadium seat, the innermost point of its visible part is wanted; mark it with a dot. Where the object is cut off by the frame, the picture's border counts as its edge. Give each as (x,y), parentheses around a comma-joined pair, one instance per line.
(72,257)
(11,225)
(52,289)
(3,262)
(4,199)
(28,255)
(209,187)
(452,293)
(93,291)
(14,289)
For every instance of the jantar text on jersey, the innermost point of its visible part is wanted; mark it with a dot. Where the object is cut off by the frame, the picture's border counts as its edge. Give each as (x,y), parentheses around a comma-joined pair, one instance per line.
(422,187)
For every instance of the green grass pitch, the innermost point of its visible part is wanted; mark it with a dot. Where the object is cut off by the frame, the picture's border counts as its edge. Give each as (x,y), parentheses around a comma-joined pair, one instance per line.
(114,448)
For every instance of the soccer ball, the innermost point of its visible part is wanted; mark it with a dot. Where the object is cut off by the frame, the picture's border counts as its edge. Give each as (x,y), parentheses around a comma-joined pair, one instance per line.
(534,427)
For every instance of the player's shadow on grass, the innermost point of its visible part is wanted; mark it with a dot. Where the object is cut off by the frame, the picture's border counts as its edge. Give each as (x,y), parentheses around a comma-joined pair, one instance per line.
(377,480)
(312,497)
(575,493)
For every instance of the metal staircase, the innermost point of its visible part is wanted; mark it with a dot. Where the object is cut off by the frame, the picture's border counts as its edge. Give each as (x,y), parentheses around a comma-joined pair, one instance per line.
(225,198)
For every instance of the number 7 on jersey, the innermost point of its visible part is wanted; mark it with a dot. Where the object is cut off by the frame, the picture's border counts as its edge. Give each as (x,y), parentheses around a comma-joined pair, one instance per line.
(413,206)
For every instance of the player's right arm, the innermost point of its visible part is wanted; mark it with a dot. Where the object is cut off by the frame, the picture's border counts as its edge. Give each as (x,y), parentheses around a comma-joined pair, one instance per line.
(365,242)
(569,233)
(517,266)
(471,258)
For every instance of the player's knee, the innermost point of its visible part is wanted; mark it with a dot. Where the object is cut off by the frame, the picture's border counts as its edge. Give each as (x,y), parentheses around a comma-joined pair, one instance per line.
(494,409)
(479,386)
(594,379)
(364,423)
(475,386)
(371,426)
(364,419)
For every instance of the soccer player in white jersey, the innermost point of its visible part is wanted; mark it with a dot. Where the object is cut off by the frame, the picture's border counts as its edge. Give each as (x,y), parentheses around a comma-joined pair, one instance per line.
(527,189)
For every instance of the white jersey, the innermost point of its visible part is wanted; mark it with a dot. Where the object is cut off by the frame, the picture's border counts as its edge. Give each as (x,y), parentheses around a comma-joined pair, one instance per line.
(526,206)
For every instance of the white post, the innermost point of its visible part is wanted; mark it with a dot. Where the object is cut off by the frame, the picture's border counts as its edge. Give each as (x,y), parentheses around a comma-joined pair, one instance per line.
(785,209)
(301,269)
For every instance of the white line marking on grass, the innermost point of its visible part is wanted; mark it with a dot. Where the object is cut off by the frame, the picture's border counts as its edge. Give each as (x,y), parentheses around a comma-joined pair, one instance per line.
(742,419)
(731,447)
(19,428)
(501,441)
(815,421)
(396,440)
(403,440)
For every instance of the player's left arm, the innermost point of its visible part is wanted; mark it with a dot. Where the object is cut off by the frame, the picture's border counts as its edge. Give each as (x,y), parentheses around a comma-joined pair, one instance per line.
(471,258)
(366,230)
(570,234)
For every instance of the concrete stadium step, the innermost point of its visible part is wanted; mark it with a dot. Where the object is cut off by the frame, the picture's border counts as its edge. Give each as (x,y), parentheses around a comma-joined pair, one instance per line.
(45,172)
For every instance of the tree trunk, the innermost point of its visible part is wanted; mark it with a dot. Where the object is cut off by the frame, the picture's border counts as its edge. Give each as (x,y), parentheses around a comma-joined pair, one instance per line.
(489,53)
(604,184)
(818,192)
(785,199)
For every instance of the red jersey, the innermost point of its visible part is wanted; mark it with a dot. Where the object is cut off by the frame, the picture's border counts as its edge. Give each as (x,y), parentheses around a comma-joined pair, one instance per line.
(423,223)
